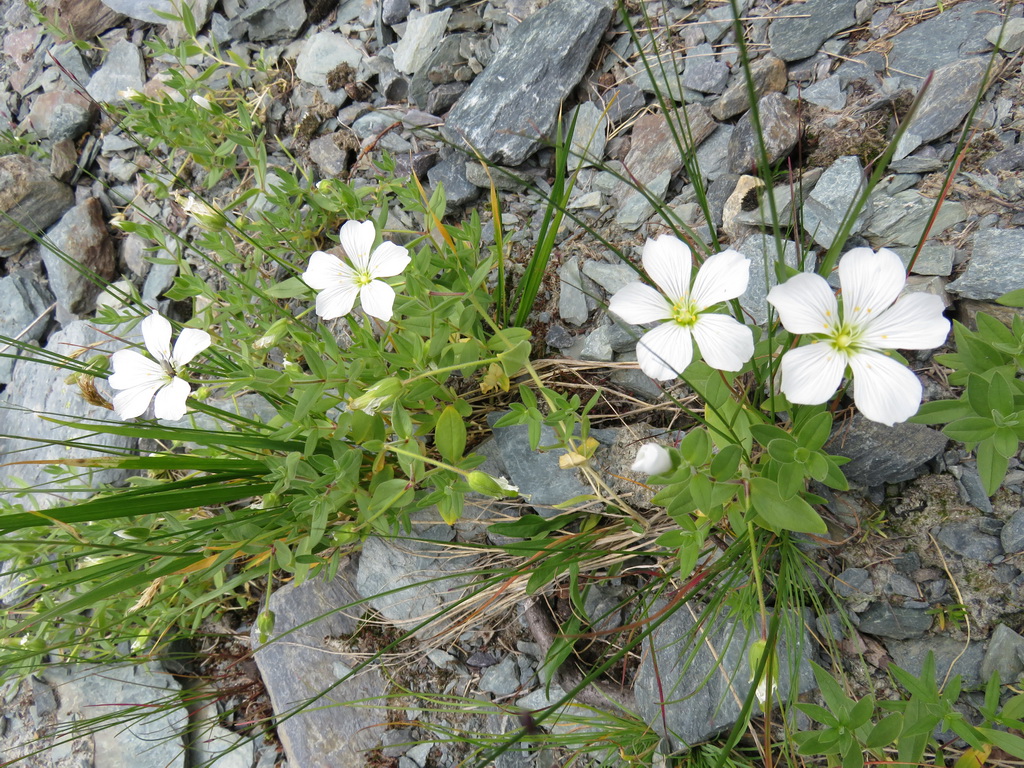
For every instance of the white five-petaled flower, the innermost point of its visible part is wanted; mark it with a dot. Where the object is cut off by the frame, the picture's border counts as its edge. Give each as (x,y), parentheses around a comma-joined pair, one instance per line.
(652,459)
(666,351)
(338,284)
(872,321)
(139,378)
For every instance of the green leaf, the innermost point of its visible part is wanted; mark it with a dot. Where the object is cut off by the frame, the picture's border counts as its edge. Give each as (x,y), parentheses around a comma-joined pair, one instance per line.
(1007,742)
(529,526)
(1012,299)
(291,288)
(942,412)
(815,430)
(450,434)
(991,466)
(972,429)
(696,447)
(793,514)
(1004,440)
(861,712)
(1000,399)
(885,731)
(783,451)
(820,714)
(977,394)
(725,465)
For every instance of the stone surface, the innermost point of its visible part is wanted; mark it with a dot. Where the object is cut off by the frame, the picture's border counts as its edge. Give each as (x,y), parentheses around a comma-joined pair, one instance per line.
(799,30)
(901,219)
(879,454)
(322,54)
(273,19)
(422,35)
(884,620)
(705,73)
(611,277)
(693,694)
(572,301)
(836,191)
(23,305)
(996,266)
(150,10)
(451,174)
(951,658)
(952,93)
(514,103)
(82,19)
(79,242)
(763,255)
(779,127)
(298,668)
(769,76)
(1012,535)
(934,259)
(30,199)
(122,70)
(964,538)
(59,115)
(827,93)
(1012,35)
(961,30)
(589,136)
(1004,656)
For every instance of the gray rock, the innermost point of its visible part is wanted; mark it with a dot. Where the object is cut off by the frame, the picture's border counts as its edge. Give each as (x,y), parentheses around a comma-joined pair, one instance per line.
(77,247)
(623,101)
(30,199)
(331,153)
(965,539)
(501,679)
(451,173)
(934,259)
(589,136)
(144,734)
(638,207)
(827,93)
(901,219)
(611,277)
(1012,35)
(884,620)
(150,10)
(443,97)
(122,70)
(297,668)
(635,381)
(703,666)
(23,304)
(704,72)
(597,346)
(394,11)
(216,747)
(503,179)
(951,658)
(864,66)
(760,249)
(854,584)
(956,33)
(273,19)
(160,278)
(834,194)
(947,101)
(322,53)
(422,35)
(1012,535)
(518,95)
(996,265)
(1004,656)
(879,454)
(973,491)
(780,129)
(411,581)
(59,115)
(572,301)
(769,76)
(713,154)
(37,388)
(799,31)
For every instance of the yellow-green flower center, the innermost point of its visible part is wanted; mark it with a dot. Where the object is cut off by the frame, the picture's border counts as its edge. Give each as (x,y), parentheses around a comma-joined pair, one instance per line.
(844,338)
(363,277)
(684,312)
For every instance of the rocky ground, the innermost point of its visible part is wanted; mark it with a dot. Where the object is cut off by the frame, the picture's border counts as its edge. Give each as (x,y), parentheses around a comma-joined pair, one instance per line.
(923,546)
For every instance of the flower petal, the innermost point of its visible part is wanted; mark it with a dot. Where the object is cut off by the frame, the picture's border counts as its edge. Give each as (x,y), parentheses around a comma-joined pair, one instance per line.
(191,341)
(132,369)
(871,281)
(336,301)
(637,304)
(156,332)
(805,304)
(723,343)
(915,321)
(378,299)
(811,374)
(326,271)
(170,400)
(721,277)
(652,459)
(884,390)
(664,353)
(669,263)
(357,239)
(389,260)
(134,401)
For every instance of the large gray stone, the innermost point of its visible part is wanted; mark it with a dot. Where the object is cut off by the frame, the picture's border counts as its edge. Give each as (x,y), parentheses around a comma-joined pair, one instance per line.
(964,538)
(947,101)
(799,30)
(954,34)
(901,219)
(23,305)
(879,454)
(302,675)
(514,103)
(703,666)
(780,130)
(894,621)
(769,76)
(123,70)
(322,53)
(760,249)
(826,207)
(38,389)
(150,10)
(951,658)
(78,248)
(30,199)
(422,35)
(1004,656)
(996,265)
(272,19)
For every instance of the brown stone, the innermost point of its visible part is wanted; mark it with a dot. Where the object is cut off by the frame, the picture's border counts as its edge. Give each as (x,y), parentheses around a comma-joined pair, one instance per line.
(81,19)
(30,199)
(769,76)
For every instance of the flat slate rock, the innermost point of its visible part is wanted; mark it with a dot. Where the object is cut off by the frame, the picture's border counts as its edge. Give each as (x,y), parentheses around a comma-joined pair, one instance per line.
(30,199)
(800,29)
(996,265)
(956,33)
(297,667)
(893,621)
(513,104)
(879,454)
(951,658)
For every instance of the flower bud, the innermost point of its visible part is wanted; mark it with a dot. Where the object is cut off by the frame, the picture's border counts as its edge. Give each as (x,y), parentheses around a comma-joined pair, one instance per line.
(209,218)
(497,487)
(265,624)
(273,335)
(652,459)
(381,393)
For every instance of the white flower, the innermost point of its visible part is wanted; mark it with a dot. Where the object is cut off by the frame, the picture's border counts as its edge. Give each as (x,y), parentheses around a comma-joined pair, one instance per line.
(665,351)
(652,459)
(339,284)
(140,379)
(885,391)
(202,101)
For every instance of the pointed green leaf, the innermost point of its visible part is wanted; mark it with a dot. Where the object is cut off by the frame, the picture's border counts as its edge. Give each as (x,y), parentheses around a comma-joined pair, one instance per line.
(450,434)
